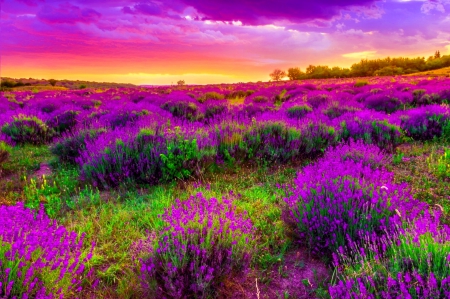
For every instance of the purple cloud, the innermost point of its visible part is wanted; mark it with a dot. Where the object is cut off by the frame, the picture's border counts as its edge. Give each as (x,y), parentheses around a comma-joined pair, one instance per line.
(66,13)
(257,13)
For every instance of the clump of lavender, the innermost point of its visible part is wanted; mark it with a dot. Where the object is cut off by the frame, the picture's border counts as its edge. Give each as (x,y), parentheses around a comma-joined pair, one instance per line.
(68,148)
(342,198)
(39,258)
(203,241)
(411,262)
(28,129)
(359,152)
(298,111)
(424,123)
(63,122)
(371,127)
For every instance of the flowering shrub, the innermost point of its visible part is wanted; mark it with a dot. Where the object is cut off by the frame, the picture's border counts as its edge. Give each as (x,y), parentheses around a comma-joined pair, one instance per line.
(63,122)
(70,145)
(202,242)
(182,109)
(28,129)
(342,198)
(409,263)
(359,152)
(38,258)
(425,123)
(336,109)
(146,157)
(372,129)
(298,111)
(272,141)
(383,102)
(318,98)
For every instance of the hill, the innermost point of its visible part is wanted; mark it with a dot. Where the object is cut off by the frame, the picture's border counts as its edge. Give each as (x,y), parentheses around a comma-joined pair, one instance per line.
(442,72)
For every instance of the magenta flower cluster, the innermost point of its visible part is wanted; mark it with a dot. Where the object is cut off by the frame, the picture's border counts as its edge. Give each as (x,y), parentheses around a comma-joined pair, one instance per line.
(39,258)
(202,242)
(345,196)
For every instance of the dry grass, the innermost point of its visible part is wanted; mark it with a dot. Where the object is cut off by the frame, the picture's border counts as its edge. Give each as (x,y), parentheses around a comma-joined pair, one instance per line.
(38,88)
(443,72)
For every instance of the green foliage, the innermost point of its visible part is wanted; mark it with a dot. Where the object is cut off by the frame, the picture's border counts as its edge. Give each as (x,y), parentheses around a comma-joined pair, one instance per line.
(211,95)
(56,192)
(397,158)
(298,111)
(178,152)
(361,83)
(374,67)
(82,86)
(4,152)
(440,165)
(27,158)
(294,73)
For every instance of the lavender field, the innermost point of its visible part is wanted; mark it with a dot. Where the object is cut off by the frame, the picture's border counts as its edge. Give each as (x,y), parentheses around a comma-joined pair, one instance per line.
(335,188)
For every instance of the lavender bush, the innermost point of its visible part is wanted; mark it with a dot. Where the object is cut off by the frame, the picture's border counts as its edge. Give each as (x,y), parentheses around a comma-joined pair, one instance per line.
(202,242)
(28,129)
(424,123)
(343,197)
(39,258)
(409,263)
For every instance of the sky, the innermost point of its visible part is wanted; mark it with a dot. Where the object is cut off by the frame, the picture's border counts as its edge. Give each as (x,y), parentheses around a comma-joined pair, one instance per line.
(209,41)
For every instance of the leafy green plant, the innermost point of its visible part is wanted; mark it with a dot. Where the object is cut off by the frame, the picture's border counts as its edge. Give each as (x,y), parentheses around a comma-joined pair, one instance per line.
(397,158)
(178,152)
(440,165)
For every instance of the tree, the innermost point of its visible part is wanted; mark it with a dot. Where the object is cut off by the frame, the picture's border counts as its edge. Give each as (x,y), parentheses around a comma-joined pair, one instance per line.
(181,83)
(294,73)
(437,55)
(277,75)
(52,82)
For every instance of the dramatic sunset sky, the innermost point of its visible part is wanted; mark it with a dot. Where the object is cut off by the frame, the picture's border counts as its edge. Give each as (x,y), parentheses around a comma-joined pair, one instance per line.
(209,41)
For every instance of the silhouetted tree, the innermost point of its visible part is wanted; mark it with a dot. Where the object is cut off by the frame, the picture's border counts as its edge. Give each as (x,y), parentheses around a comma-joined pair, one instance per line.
(294,73)
(181,82)
(52,82)
(277,75)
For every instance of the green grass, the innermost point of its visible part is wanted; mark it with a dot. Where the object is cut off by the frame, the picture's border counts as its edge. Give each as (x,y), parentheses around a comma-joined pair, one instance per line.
(116,220)
(416,169)
(27,158)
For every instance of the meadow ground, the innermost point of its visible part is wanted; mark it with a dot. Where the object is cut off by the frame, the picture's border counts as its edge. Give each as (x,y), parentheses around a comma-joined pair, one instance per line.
(303,174)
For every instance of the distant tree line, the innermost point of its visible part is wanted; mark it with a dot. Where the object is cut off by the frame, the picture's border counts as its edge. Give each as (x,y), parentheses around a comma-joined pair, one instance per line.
(365,68)
(11,84)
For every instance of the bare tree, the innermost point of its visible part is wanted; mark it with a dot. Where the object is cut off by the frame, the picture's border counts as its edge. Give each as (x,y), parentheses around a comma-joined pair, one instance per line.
(277,75)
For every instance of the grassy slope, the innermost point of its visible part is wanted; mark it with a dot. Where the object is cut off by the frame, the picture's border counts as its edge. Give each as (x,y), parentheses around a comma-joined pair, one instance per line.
(443,72)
